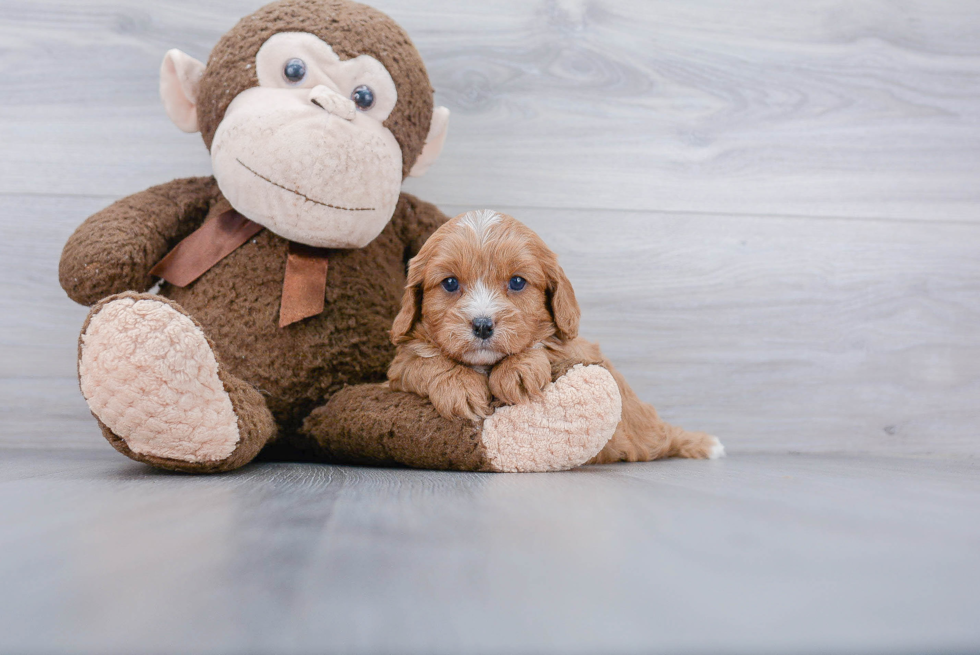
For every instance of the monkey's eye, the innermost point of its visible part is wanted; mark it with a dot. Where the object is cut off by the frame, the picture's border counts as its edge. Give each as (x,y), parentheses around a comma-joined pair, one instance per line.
(363,97)
(516,283)
(450,284)
(294,71)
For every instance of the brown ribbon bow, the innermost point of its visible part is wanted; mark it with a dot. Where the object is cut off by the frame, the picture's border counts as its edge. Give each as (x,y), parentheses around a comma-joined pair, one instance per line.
(303,287)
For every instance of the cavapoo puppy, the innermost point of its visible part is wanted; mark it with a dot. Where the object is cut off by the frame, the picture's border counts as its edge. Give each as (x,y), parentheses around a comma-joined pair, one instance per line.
(486,314)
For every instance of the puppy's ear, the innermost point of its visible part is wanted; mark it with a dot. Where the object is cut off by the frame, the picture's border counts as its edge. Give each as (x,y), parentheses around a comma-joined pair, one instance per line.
(561,300)
(409,315)
(411,311)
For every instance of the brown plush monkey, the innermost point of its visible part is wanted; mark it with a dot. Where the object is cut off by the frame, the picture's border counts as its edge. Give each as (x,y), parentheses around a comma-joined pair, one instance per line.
(282,273)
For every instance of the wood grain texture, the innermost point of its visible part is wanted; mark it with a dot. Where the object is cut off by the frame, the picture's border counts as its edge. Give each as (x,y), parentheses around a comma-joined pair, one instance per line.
(769,210)
(832,108)
(756,554)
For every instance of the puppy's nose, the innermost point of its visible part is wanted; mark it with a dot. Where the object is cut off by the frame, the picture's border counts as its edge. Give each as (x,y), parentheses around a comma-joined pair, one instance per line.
(483,327)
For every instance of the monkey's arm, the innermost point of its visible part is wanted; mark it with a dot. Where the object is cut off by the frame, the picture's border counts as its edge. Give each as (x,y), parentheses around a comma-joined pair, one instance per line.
(419,219)
(114,250)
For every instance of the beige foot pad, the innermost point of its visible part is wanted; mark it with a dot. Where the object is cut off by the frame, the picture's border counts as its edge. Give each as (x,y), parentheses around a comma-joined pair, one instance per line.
(149,374)
(568,427)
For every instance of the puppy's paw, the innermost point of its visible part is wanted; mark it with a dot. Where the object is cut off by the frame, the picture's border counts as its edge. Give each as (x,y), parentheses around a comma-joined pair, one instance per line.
(520,378)
(461,393)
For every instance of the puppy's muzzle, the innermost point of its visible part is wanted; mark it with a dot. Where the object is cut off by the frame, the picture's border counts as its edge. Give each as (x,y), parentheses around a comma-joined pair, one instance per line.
(483,327)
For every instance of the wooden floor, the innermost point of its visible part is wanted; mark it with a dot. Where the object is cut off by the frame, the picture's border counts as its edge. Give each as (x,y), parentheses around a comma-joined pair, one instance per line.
(770,212)
(754,554)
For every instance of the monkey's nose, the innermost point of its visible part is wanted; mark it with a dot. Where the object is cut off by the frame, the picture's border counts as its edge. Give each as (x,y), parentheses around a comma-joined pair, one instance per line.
(483,327)
(326,98)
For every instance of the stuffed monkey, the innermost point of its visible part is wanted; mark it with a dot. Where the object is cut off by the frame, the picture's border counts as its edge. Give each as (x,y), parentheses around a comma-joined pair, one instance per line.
(281,274)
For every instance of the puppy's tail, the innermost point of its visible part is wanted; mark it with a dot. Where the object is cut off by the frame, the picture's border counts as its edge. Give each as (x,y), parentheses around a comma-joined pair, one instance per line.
(642,435)
(694,445)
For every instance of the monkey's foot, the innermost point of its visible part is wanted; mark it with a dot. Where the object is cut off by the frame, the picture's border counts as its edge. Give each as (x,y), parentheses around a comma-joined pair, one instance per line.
(151,377)
(566,428)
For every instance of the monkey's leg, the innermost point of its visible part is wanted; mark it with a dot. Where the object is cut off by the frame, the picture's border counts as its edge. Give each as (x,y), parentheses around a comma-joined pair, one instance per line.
(152,379)
(565,428)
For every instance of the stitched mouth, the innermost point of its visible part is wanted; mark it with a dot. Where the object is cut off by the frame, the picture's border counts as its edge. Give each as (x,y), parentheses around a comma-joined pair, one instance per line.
(303,195)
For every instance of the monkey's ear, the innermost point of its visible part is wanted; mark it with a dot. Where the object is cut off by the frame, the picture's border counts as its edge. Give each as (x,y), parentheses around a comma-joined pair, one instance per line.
(180,75)
(438,130)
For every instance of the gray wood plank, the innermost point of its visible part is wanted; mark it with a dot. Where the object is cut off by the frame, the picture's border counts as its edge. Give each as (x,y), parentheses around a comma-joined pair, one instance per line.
(47,413)
(38,323)
(829,108)
(755,554)
(811,335)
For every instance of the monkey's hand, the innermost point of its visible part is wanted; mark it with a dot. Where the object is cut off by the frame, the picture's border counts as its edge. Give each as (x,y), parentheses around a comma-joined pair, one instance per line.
(521,377)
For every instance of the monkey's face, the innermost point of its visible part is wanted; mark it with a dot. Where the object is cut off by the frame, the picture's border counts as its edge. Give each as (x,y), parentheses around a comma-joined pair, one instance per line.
(305,153)
(314,111)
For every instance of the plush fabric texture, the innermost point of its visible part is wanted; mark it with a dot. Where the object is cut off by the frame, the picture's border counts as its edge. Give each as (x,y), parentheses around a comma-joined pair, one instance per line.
(566,428)
(352,29)
(434,141)
(114,250)
(205,247)
(329,78)
(272,156)
(180,75)
(370,424)
(237,301)
(150,375)
(256,427)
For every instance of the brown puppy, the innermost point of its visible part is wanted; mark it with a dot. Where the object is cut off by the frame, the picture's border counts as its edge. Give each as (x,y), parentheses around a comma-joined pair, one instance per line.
(486,313)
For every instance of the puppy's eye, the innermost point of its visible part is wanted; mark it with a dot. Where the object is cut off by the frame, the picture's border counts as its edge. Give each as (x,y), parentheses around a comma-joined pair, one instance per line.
(294,71)
(450,284)
(516,283)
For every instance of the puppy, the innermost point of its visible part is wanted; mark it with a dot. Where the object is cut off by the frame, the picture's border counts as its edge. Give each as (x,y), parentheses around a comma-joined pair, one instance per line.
(488,318)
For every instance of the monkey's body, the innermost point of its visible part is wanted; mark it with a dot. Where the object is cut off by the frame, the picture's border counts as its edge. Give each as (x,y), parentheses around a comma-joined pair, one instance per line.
(299,367)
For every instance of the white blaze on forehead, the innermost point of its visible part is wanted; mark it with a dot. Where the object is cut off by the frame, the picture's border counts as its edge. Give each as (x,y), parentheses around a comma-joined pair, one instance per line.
(480,222)
(481,300)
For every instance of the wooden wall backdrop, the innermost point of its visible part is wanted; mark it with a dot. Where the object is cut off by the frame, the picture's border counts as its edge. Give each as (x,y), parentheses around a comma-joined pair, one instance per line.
(769,209)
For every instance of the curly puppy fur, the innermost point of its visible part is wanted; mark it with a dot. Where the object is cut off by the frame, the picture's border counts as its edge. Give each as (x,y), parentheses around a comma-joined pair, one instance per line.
(487,313)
